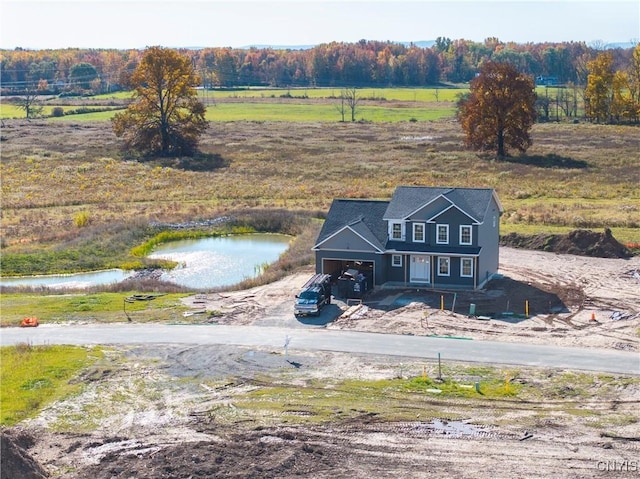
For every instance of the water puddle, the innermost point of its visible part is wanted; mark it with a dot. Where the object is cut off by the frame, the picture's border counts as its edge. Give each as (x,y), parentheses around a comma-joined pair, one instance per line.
(454,428)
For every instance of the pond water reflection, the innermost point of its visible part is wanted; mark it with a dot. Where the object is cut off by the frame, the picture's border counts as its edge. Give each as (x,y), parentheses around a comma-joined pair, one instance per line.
(76,280)
(203,263)
(214,262)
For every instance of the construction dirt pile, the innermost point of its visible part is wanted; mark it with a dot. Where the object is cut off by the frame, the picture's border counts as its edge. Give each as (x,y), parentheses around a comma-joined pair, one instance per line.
(579,242)
(329,416)
(16,461)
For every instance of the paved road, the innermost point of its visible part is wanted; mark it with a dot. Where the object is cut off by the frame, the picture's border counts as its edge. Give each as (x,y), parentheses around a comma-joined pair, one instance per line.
(326,340)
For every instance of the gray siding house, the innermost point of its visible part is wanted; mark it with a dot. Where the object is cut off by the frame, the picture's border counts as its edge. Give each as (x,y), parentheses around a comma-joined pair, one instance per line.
(424,236)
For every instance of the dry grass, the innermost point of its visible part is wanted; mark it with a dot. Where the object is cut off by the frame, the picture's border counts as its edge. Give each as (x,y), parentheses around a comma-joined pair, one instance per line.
(575,175)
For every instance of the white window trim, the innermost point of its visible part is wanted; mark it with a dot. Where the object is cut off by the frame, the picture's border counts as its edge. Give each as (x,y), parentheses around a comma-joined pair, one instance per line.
(462,275)
(424,233)
(393,262)
(448,273)
(438,226)
(470,235)
(402,232)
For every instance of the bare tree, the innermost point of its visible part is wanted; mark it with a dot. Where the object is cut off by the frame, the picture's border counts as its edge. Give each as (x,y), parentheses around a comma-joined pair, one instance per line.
(29,102)
(351,97)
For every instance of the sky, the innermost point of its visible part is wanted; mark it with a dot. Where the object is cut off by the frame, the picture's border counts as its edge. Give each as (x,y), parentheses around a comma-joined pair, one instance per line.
(124,24)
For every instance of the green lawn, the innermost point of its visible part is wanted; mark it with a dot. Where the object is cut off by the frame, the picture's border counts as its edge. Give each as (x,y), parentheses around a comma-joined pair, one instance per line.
(95,307)
(7,110)
(292,112)
(420,95)
(399,94)
(281,105)
(34,376)
(297,112)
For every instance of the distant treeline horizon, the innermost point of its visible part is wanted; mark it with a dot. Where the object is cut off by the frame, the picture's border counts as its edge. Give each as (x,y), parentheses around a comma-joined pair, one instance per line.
(336,64)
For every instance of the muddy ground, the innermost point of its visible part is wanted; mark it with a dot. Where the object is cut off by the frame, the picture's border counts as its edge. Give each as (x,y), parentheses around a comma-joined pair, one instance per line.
(176,412)
(572,301)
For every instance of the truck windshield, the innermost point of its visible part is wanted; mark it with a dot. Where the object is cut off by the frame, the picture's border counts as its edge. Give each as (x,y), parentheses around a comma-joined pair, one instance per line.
(309,295)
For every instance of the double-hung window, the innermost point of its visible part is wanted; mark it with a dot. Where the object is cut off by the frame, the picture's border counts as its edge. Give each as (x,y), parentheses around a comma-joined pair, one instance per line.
(443,265)
(466,237)
(396,231)
(466,267)
(418,232)
(396,260)
(442,234)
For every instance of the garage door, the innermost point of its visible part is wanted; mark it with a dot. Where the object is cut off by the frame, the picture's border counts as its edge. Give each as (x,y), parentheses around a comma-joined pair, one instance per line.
(335,267)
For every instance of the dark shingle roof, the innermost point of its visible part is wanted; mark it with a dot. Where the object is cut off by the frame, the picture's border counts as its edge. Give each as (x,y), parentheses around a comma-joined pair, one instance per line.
(365,216)
(408,199)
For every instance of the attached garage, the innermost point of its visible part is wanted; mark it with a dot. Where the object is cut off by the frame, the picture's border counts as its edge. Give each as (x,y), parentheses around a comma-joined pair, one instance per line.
(335,267)
(445,237)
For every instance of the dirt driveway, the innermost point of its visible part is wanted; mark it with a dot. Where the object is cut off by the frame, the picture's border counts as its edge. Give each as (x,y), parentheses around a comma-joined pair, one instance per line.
(571,300)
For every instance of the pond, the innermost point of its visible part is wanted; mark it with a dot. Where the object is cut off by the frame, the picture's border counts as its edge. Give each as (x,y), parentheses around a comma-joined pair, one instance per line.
(77,280)
(203,263)
(222,261)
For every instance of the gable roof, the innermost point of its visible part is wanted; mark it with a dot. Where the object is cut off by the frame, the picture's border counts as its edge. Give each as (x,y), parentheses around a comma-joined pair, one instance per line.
(368,218)
(407,200)
(364,217)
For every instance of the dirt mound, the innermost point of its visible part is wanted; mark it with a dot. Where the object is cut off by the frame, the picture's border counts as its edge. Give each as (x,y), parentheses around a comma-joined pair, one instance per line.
(252,454)
(578,242)
(16,461)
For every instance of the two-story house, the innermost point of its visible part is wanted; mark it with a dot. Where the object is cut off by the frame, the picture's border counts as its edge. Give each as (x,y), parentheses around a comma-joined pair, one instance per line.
(427,236)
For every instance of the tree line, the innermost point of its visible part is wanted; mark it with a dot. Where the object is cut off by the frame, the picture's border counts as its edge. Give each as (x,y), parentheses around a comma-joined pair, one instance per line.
(166,118)
(361,64)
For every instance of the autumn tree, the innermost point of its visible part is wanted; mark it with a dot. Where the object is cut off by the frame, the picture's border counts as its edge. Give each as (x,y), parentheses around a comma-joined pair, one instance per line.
(500,109)
(634,82)
(165,117)
(599,91)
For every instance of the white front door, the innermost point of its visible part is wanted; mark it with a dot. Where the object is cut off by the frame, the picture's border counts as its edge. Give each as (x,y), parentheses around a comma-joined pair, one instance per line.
(420,271)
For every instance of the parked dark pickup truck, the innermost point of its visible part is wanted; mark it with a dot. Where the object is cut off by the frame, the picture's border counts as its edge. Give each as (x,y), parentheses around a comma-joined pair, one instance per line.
(315,294)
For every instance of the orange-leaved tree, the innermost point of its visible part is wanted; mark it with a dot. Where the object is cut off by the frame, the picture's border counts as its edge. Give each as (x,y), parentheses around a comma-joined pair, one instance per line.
(165,118)
(598,92)
(500,109)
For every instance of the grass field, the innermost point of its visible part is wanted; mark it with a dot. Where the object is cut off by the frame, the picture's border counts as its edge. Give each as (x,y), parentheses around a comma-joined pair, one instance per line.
(289,105)
(100,307)
(423,95)
(259,104)
(292,112)
(293,154)
(34,376)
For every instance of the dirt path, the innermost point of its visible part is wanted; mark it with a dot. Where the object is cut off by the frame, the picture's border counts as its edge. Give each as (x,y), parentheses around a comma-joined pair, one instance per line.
(177,412)
(563,294)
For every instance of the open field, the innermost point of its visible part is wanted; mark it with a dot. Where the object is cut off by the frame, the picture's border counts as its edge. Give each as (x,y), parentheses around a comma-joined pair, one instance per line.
(445,94)
(171,411)
(575,175)
(294,105)
(259,104)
